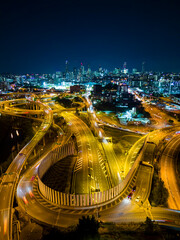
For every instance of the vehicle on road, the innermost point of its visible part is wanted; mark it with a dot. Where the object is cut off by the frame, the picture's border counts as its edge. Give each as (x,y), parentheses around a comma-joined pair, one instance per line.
(130,195)
(146,164)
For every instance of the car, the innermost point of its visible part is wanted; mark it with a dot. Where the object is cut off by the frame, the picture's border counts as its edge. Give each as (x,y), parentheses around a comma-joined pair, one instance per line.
(25,200)
(130,195)
(32,178)
(137,199)
(31,194)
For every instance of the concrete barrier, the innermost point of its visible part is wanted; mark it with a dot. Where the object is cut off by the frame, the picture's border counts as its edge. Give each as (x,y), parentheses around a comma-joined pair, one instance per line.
(84,200)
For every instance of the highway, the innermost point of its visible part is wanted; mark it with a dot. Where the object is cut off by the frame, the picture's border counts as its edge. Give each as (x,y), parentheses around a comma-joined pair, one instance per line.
(11,177)
(39,209)
(132,154)
(88,172)
(112,166)
(159,117)
(168,172)
(89,176)
(126,211)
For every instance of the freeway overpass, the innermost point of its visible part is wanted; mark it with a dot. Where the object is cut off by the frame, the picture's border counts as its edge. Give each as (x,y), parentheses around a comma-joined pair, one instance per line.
(11,177)
(168,171)
(76,126)
(88,174)
(125,211)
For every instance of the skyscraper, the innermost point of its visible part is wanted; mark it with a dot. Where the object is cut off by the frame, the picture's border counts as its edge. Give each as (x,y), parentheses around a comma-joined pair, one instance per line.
(125,70)
(143,69)
(82,69)
(66,64)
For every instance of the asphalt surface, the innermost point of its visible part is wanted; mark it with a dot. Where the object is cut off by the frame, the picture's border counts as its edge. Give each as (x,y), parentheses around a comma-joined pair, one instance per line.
(88,174)
(168,172)
(126,211)
(88,167)
(11,177)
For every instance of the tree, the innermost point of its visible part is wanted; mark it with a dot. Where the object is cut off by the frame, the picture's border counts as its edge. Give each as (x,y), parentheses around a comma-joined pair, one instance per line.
(67,103)
(78,99)
(159,194)
(149,226)
(88,225)
(171,121)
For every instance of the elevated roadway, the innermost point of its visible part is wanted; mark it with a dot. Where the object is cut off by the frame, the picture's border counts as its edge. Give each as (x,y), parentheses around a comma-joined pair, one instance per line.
(126,211)
(11,177)
(88,175)
(88,172)
(85,167)
(168,171)
(113,166)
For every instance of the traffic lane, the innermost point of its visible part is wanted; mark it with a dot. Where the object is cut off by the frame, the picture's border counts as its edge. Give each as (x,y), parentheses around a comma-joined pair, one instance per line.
(93,160)
(172,183)
(168,173)
(82,174)
(4,226)
(133,154)
(143,185)
(89,152)
(165,214)
(165,173)
(112,162)
(15,166)
(125,211)
(5,194)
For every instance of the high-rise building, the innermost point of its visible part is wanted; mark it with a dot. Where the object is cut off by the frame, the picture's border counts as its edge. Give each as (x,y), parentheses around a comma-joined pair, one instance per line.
(75,72)
(117,71)
(89,70)
(125,70)
(82,69)
(143,69)
(67,65)
(100,69)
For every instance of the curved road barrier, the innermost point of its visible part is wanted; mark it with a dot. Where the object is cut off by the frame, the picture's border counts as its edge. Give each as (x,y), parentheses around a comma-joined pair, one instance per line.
(10,180)
(83,200)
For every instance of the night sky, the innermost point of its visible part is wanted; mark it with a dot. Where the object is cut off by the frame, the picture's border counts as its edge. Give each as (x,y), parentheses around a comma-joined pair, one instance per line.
(39,36)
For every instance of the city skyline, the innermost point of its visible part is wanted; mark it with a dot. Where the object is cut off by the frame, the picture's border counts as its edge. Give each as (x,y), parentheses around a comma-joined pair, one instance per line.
(40,36)
(141,68)
(89,119)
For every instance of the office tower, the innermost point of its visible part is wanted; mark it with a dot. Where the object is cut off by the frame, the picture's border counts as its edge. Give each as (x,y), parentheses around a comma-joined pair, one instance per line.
(67,65)
(143,69)
(82,69)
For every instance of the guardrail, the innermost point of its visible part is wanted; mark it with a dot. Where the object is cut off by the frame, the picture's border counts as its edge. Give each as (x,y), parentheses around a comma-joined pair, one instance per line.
(17,165)
(81,200)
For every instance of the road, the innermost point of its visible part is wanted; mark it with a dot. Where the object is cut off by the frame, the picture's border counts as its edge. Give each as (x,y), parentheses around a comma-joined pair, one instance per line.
(132,155)
(89,174)
(126,211)
(11,177)
(160,118)
(168,172)
(136,209)
(113,167)
(89,171)
(39,209)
